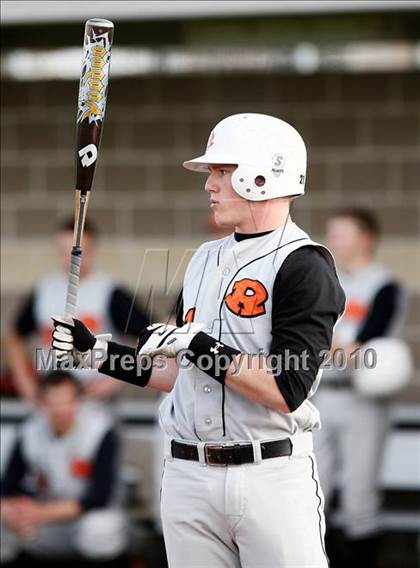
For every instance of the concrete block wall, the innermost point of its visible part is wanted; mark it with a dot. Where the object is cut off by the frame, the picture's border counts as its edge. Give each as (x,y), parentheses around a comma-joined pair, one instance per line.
(362,132)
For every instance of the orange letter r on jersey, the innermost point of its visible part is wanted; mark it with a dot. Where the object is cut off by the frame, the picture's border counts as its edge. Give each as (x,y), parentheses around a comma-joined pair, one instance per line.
(247,299)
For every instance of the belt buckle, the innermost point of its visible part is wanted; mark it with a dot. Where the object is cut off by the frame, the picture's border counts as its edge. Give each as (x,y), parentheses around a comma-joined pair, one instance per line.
(207,456)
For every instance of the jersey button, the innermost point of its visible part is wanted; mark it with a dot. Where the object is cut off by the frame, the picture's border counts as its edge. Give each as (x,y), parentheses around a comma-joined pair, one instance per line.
(226,271)
(207,388)
(208,421)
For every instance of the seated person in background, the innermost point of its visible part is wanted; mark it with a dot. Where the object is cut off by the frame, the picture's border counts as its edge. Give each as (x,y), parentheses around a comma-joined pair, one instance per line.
(102,304)
(58,494)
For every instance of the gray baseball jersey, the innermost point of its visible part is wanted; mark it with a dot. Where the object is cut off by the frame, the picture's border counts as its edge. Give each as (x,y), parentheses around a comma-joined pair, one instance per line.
(361,288)
(65,461)
(228,287)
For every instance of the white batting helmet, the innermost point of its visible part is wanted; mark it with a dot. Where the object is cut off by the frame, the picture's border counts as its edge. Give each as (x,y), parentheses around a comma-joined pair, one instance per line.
(270,155)
(384,371)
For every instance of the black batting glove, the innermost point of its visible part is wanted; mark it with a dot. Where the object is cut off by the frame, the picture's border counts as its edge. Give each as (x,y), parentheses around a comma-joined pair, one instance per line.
(72,338)
(72,335)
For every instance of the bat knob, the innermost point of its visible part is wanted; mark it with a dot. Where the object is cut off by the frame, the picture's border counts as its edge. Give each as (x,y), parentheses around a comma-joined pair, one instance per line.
(100,22)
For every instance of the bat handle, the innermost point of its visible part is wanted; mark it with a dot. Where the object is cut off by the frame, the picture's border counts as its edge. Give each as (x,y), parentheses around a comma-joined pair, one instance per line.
(73,282)
(76,254)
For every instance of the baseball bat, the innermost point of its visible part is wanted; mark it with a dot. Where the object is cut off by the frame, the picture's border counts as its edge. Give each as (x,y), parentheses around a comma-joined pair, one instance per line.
(91,104)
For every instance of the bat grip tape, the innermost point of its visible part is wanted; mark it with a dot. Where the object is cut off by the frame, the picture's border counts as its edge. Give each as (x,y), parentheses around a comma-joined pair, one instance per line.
(73,282)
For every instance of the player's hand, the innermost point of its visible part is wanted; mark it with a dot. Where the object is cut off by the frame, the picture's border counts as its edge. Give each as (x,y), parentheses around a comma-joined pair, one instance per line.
(73,337)
(165,339)
(18,513)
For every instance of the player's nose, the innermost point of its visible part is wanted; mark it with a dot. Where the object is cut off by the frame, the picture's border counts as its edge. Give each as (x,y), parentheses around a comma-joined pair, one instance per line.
(210,185)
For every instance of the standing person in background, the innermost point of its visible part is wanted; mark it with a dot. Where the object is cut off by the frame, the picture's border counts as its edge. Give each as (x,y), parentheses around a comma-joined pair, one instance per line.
(354,427)
(102,304)
(59,492)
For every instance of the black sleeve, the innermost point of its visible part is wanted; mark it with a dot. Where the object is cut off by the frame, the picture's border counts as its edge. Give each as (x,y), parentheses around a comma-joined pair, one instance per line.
(381,313)
(127,318)
(102,483)
(179,310)
(11,483)
(307,301)
(25,323)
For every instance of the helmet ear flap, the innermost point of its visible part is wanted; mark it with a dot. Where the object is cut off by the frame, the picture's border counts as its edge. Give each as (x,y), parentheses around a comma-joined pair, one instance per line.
(259,184)
(250,183)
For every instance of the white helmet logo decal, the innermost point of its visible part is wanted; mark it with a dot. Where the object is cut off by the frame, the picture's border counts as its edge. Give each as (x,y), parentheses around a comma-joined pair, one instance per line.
(278,164)
(211,140)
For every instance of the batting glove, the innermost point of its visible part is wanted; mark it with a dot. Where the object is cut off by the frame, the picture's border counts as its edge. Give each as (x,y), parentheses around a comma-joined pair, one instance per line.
(71,337)
(168,340)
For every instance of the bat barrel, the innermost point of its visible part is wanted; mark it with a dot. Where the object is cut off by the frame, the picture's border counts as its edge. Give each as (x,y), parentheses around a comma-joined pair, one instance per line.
(93,92)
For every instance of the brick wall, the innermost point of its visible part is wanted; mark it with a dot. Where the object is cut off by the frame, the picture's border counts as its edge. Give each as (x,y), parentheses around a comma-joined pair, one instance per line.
(363,134)
(362,131)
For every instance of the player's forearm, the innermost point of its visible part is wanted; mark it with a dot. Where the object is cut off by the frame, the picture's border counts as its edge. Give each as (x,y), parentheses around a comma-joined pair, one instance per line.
(349,349)
(222,362)
(17,356)
(122,363)
(60,510)
(163,379)
(256,382)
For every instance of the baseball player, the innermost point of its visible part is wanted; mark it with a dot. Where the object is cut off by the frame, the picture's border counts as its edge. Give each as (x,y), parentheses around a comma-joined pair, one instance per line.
(103,304)
(58,494)
(354,425)
(240,486)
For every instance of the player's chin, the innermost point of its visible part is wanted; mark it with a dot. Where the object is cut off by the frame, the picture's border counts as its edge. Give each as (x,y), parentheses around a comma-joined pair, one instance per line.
(222,220)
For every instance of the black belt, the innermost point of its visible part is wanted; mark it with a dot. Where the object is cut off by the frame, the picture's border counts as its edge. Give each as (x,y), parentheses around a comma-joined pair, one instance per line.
(231,454)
